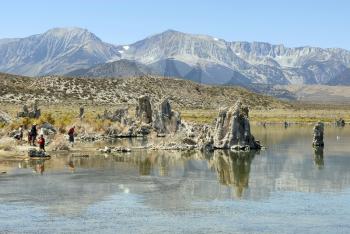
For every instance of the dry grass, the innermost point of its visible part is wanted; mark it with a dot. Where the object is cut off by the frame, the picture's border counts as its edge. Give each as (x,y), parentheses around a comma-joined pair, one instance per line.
(59,143)
(300,116)
(274,116)
(7,144)
(65,116)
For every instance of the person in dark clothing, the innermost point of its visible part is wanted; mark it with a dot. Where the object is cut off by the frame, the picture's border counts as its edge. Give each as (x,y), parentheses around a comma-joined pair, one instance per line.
(41,143)
(71,134)
(33,134)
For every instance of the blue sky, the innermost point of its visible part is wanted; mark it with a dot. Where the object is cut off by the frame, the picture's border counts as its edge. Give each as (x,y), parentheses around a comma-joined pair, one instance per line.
(323,23)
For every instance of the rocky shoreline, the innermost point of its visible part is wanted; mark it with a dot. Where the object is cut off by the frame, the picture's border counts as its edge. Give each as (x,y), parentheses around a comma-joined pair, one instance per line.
(152,121)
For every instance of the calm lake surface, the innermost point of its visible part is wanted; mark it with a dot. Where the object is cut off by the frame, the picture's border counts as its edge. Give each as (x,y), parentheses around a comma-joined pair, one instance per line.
(287,188)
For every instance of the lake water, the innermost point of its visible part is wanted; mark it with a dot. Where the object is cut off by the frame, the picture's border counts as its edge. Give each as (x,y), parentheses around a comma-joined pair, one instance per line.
(287,188)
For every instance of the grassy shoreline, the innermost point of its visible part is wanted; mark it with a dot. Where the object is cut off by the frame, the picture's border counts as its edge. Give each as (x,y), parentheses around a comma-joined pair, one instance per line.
(299,113)
(64,115)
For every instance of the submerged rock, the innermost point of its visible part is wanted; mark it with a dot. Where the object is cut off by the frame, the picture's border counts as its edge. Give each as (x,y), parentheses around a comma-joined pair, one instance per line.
(165,119)
(232,129)
(144,109)
(318,135)
(110,149)
(90,137)
(174,146)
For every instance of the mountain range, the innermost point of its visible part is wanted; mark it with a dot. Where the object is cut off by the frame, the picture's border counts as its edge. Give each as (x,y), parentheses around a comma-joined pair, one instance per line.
(200,58)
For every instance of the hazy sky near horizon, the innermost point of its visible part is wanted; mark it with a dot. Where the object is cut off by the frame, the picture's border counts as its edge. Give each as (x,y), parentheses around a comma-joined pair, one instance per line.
(323,23)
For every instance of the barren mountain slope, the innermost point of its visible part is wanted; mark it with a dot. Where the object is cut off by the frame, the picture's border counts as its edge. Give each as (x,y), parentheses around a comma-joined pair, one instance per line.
(182,93)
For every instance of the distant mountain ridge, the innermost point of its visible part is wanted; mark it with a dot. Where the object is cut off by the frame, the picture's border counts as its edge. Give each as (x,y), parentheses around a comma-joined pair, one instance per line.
(56,51)
(200,58)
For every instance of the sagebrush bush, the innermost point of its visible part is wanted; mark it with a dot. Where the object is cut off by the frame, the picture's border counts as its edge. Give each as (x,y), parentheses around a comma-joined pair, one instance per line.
(25,122)
(59,143)
(46,118)
(62,122)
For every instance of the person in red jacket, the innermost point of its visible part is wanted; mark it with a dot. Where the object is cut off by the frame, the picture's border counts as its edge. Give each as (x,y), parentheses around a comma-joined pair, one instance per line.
(71,133)
(41,142)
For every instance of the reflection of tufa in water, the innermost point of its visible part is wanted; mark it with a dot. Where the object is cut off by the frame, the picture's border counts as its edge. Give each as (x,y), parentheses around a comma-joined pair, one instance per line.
(145,167)
(318,157)
(233,168)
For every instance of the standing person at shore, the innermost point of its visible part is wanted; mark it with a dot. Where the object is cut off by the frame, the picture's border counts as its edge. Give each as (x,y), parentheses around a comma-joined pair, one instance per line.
(71,133)
(33,134)
(41,143)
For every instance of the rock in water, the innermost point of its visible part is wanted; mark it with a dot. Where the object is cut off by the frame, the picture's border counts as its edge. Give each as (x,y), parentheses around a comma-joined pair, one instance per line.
(165,119)
(144,109)
(232,129)
(108,149)
(36,153)
(318,135)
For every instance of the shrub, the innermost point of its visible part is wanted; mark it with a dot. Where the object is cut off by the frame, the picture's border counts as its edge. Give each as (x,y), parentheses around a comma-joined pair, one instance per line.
(46,118)
(60,143)
(63,122)
(25,122)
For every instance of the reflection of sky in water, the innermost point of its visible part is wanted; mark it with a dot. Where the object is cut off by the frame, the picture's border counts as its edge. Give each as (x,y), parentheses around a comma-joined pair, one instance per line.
(135,191)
